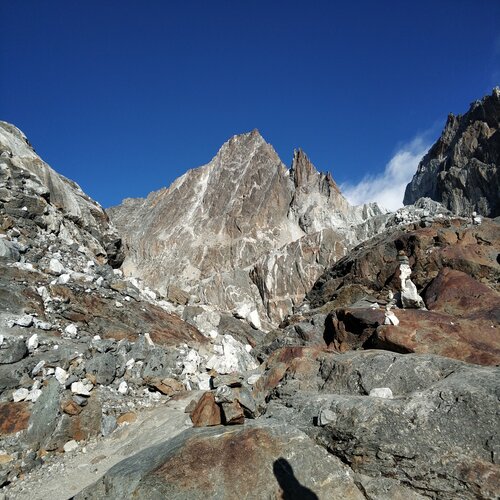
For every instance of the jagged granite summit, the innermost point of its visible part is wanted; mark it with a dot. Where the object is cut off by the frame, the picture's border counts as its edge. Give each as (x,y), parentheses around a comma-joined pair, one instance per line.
(211,226)
(461,170)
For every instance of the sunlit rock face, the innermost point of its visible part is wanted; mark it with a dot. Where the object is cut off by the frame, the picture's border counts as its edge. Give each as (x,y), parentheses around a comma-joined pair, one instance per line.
(242,229)
(461,170)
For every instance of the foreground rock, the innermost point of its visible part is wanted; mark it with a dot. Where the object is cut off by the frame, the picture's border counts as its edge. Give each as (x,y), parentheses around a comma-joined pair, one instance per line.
(462,169)
(262,460)
(422,437)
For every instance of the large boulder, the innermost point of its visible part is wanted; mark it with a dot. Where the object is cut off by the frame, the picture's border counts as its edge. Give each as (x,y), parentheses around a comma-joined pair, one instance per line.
(261,460)
(437,434)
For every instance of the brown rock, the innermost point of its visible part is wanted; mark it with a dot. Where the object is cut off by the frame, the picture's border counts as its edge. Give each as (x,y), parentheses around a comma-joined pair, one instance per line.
(177,296)
(454,292)
(232,413)
(168,386)
(206,412)
(71,408)
(14,417)
(126,418)
(471,340)
(101,315)
(348,329)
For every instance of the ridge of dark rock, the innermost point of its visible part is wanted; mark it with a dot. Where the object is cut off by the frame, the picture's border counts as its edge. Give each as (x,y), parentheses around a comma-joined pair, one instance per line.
(461,170)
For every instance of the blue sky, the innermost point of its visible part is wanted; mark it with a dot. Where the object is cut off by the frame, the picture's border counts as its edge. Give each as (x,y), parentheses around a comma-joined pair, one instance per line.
(125,96)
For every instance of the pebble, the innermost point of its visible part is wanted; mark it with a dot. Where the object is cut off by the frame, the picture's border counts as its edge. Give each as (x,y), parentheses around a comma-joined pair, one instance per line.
(70,446)
(123,388)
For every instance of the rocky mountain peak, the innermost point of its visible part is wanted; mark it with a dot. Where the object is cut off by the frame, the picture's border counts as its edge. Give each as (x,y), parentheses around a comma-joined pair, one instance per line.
(461,170)
(217,221)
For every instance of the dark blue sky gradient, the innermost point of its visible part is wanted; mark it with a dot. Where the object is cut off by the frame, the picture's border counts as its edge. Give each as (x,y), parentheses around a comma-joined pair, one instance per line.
(125,96)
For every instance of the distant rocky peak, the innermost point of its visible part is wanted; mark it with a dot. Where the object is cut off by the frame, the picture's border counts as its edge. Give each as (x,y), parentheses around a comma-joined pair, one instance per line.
(461,170)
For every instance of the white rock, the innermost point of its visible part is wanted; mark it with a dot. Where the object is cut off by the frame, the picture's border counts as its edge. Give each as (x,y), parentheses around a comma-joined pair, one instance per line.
(149,294)
(34,395)
(253,320)
(148,339)
(203,380)
(117,272)
(63,279)
(253,378)
(82,388)
(55,266)
(130,364)
(32,342)
(99,281)
(44,293)
(42,325)
(391,319)
(234,357)
(61,375)
(71,330)
(1,339)
(123,387)
(381,392)
(410,299)
(118,304)
(25,321)
(20,395)
(70,446)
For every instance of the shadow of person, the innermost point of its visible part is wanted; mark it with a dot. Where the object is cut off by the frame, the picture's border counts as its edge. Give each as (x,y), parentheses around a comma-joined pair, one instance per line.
(292,489)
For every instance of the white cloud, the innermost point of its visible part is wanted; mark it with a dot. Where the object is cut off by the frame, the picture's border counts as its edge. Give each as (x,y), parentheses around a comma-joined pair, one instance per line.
(388,187)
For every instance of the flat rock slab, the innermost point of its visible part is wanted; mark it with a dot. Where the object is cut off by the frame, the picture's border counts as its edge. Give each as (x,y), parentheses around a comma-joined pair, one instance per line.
(255,461)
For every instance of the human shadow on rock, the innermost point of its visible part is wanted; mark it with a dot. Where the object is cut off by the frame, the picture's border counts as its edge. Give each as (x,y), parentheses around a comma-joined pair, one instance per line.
(292,489)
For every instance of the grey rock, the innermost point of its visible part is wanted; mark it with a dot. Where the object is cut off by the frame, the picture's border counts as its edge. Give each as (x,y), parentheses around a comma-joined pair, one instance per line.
(430,436)
(43,418)
(12,350)
(103,366)
(8,251)
(108,424)
(158,363)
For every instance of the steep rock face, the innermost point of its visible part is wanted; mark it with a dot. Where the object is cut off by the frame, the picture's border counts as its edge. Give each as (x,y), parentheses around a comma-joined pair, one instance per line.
(461,170)
(215,222)
(35,199)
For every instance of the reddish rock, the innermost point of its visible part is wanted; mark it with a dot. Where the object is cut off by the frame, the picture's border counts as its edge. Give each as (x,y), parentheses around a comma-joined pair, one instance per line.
(447,243)
(167,386)
(456,293)
(474,341)
(206,412)
(101,315)
(14,417)
(126,418)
